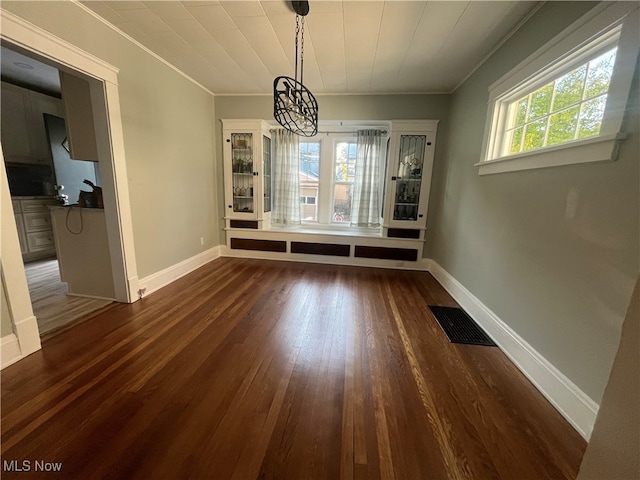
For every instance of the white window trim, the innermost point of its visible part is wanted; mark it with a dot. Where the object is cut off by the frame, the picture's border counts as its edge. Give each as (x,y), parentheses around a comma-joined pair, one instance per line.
(342,131)
(568,46)
(336,139)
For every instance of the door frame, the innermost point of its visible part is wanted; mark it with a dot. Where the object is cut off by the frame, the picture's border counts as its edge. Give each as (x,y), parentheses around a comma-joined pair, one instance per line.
(105,102)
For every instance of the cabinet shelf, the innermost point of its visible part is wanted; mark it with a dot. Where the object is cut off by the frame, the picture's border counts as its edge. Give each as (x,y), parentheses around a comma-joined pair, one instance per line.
(411,162)
(247,162)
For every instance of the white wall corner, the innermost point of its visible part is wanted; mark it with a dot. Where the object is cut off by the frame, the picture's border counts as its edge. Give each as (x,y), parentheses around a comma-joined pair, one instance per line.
(29,335)
(9,350)
(12,349)
(156,281)
(574,405)
(425,264)
(133,286)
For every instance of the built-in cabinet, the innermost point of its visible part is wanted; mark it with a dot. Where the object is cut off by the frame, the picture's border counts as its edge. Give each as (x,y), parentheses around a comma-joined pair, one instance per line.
(24,138)
(400,241)
(408,183)
(247,165)
(33,222)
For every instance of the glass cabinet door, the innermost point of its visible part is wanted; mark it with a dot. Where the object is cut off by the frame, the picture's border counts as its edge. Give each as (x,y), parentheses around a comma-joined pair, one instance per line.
(242,171)
(266,172)
(409,177)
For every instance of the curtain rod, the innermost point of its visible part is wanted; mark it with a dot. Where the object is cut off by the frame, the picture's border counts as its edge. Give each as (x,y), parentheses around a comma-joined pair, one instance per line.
(327,132)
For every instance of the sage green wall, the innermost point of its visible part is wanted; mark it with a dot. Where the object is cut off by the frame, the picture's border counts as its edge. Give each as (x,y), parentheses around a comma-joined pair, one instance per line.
(553,252)
(339,107)
(5,316)
(168,137)
(612,453)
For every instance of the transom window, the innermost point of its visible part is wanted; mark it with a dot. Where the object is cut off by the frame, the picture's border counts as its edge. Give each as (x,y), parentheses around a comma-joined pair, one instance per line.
(569,108)
(564,104)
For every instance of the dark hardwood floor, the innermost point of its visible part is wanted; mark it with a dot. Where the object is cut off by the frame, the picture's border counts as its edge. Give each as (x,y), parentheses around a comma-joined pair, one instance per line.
(260,369)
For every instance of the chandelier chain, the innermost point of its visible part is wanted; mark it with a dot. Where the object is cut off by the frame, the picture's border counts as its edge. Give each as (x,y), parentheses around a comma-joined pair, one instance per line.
(297,34)
(302,51)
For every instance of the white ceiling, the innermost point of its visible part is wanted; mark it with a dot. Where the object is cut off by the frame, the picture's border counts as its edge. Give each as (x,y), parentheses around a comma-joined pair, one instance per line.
(350,46)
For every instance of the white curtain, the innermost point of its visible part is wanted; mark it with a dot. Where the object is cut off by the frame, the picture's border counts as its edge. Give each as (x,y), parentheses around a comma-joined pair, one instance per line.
(366,204)
(286,178)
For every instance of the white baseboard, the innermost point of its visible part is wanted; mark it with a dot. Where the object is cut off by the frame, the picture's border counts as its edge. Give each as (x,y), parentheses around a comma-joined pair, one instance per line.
(160,279)
(9,350)
(575,405)
(12,349)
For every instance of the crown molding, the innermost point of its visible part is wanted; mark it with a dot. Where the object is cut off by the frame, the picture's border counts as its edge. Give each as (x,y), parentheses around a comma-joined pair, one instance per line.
(140,45)
(533,11)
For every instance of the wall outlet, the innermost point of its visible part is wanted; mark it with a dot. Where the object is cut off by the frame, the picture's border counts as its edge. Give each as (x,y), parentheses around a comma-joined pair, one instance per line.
(201,240)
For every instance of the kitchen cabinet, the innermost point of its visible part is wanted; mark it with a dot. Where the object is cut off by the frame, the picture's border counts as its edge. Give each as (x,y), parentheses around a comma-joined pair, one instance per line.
(33,222)
(16,123)
(76,95)
(82,246)
(24,138)
(247,169)
(70,173)
(41,105)
(409,178)
(22,235)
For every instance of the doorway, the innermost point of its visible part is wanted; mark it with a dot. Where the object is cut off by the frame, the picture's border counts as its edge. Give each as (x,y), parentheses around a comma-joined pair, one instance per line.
(104,99)
(33,172)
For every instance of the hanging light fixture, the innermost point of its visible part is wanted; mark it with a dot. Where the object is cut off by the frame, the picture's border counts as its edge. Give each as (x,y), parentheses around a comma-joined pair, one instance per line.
(294,106)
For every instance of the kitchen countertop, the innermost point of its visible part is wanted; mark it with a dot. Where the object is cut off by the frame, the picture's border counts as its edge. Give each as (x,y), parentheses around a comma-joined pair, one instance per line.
(32,197)
(76,206)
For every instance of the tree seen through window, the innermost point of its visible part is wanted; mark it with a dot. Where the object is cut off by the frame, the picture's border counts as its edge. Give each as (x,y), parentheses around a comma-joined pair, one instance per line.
(569,108)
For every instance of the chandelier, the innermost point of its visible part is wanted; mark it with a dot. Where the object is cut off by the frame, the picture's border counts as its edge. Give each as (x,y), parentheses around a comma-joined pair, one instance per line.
(294,106)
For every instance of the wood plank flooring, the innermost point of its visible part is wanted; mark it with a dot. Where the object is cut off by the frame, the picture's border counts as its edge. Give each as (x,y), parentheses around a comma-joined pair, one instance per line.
(248,369)
(53,307)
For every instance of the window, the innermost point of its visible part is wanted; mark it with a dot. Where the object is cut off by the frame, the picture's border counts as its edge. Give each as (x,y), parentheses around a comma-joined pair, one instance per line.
(309,180)
(569,96)
(345,168)
(569,108)
(327,174)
